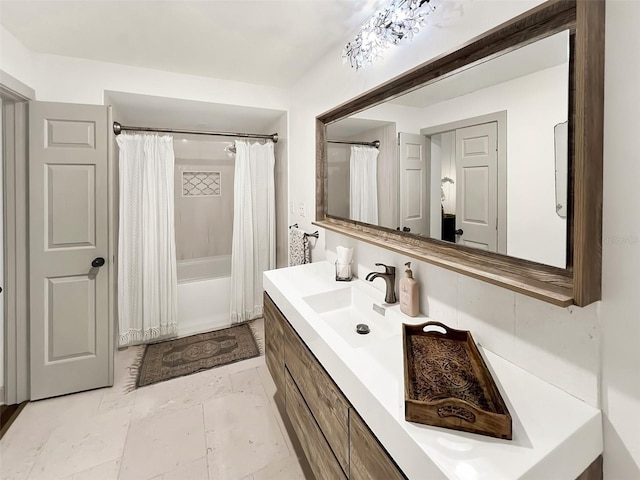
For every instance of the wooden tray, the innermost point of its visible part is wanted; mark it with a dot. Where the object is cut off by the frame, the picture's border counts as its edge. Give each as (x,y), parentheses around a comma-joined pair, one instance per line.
(447,384)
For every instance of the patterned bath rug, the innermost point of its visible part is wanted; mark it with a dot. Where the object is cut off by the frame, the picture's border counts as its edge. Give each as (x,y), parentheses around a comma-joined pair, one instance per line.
(184,356)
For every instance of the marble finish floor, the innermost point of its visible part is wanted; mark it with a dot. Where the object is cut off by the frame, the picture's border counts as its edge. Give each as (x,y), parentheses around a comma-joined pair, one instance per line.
(220,424)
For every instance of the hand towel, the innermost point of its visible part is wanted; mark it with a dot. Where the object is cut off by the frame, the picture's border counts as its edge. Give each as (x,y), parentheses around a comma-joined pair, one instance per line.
(299,249)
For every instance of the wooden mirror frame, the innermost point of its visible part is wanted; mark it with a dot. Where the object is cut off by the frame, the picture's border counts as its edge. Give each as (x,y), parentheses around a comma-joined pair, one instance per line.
(580,282)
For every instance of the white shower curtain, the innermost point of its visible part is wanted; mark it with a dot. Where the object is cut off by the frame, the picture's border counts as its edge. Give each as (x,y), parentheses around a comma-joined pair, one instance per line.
(254,233)
(363,184)
(147,281)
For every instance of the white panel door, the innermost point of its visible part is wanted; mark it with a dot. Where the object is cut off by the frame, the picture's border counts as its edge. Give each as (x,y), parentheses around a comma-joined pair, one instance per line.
(414,185)
(477,186)
(69,342)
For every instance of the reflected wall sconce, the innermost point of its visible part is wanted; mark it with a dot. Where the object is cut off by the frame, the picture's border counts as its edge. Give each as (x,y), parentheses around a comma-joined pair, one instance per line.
(386,27)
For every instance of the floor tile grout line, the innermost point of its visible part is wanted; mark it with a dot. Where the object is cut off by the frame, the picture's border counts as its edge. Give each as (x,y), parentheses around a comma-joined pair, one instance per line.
(91,468)
(275,413)
(206,445)
(35,461)
(279,422)
(126,438)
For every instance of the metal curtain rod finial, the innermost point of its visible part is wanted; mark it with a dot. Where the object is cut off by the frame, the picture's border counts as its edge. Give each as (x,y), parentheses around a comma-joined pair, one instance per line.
(118,129)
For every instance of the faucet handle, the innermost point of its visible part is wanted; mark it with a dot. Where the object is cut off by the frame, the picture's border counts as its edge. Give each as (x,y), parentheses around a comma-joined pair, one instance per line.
(387,269)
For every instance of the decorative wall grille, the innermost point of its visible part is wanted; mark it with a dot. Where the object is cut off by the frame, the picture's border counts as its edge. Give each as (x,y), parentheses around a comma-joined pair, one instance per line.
(200,184)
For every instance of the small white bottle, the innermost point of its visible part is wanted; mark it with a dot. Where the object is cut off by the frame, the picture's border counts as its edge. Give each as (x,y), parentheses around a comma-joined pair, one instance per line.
(409,297)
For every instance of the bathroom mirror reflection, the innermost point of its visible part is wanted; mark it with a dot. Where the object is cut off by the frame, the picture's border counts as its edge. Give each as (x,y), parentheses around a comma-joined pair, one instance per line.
(476,158)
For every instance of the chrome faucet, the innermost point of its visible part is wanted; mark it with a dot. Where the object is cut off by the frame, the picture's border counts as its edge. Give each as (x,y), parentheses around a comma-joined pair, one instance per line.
(389,276)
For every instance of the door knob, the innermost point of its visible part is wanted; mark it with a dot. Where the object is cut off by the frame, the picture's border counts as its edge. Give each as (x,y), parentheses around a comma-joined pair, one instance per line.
(459,231)
(97,262)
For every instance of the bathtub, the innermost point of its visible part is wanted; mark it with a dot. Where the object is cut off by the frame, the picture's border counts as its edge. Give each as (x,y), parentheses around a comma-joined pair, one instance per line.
(204,290)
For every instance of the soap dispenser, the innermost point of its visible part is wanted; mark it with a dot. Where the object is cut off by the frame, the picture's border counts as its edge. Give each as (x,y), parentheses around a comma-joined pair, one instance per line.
(409,297)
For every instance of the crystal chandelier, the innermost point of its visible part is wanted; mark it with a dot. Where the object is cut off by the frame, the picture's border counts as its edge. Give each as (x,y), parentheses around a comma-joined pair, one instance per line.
(386,27)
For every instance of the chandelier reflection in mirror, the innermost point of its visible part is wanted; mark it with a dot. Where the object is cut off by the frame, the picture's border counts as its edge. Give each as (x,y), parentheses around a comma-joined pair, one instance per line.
(386,27)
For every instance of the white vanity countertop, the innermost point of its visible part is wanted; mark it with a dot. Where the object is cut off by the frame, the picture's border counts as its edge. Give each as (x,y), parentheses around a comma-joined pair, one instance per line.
(555,435)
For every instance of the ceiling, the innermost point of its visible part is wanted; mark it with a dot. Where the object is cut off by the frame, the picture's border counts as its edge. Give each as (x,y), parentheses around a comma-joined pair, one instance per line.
(268,42)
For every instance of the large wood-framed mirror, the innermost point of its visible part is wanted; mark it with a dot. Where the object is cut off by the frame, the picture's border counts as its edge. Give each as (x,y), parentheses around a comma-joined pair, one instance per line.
(486,160)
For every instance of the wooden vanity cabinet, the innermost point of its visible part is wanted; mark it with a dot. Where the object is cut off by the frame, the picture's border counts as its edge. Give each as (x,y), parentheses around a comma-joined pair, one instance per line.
(334,437)
(321,458)
(367,458)
(323,397)
(274,323)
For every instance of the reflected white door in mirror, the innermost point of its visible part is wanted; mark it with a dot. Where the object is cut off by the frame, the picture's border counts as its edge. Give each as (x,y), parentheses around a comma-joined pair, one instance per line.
(414,184)
(476,164)
(467,191)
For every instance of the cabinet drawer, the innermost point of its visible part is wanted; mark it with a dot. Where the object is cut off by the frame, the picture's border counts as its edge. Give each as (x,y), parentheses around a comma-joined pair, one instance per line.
(369,460)
(323,397)
(274,323)
(320,456)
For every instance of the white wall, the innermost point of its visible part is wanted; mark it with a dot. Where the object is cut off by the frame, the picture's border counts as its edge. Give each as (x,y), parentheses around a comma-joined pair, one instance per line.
(619,312)
(282,190)
(534,230)
(404,117)
(73,80)
(563,346)
(16,59)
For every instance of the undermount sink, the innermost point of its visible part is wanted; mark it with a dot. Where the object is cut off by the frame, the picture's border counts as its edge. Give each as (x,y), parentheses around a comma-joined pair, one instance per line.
(343,309)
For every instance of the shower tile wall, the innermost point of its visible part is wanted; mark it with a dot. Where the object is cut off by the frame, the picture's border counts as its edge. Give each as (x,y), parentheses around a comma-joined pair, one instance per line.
(204,216)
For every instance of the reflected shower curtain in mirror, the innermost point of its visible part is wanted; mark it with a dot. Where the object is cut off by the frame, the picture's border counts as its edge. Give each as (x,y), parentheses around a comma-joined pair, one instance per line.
(363,184)
(147,281)
(254,233)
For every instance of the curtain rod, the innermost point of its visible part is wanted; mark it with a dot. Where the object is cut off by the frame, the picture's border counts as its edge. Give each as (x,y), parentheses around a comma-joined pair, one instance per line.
(375,143)
(118,129)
